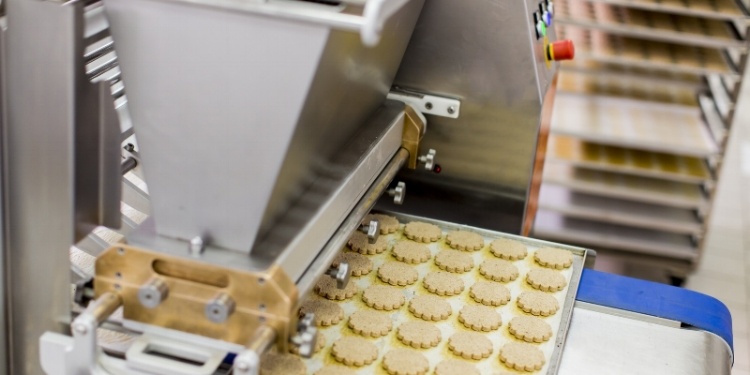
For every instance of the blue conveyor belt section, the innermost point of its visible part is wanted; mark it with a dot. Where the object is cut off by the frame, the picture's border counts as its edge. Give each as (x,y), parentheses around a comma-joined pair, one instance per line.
(660,300)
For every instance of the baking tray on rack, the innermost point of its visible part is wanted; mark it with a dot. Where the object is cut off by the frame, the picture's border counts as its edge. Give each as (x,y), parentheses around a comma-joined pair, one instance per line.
(560,321)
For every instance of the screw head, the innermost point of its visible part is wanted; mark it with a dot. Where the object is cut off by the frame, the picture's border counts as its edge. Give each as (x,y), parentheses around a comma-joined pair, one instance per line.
(81,329)
(451,110)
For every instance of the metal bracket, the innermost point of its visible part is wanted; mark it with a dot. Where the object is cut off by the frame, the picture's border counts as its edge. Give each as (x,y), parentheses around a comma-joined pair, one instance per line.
(428,104)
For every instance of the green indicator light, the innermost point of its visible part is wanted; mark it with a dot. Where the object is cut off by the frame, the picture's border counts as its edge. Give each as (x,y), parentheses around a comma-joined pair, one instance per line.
(542,28)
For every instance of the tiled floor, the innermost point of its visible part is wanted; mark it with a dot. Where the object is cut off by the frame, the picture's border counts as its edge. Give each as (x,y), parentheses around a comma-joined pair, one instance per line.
(725,270)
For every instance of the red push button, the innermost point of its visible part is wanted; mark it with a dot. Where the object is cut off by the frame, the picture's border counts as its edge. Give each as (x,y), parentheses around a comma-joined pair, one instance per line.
(561,50)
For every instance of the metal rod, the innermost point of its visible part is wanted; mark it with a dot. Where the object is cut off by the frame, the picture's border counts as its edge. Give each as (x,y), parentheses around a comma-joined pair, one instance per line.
(104,306)
(128,165)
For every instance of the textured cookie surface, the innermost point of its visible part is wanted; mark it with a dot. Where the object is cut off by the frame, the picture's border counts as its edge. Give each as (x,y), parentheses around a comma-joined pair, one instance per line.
(281,364)
(359,265)
(397,273)
(507,249)
(443,283)
(455,367)
(354,351)
(361,244)
(489,293)
(411,252)
(479,318)
(335,370)
(326,287)
(383,297)
(521,356)
(537,303)
(388,224)
(546,280)
(370,323)
(498,270)
(405,362)
(454,261)
(422,232)
(419,334)
(529,329)
(553,258)
(463,240)
(470,345)
(430,308)
(326,312)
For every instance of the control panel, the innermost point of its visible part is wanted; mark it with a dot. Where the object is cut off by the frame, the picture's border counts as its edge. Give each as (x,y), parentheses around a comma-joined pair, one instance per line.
(546,48)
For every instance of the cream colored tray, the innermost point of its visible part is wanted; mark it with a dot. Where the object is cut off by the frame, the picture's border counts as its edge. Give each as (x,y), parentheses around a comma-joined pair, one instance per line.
(622,122)
(626,160)
(689,30)
(491,365)
(715,9)
(614,49)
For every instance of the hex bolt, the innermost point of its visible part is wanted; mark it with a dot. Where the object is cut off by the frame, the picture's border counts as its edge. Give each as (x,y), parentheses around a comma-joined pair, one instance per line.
(341,273)
(220,308)
(153,293)
(372,229)
(398,193)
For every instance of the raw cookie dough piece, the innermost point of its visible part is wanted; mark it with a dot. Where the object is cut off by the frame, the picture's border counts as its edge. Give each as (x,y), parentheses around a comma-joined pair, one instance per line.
(281,364)
(537,303)
(553,258)
(354,351)
(326,312)
(422,232)
(463,240)
(546,280)
(443,283)
(397,273)
(419,334)
(361,244)
(455,367)
(405,362)
(370,323)
(411,252)
(480,318)
(335,370)
(529,329)
(430,307)
(521,356)
(381,297)
(470,345)
(489,293)
(388,224)
(320,343)
(359,265)
(454,261)
(498,270)
(504,248)
(326,287)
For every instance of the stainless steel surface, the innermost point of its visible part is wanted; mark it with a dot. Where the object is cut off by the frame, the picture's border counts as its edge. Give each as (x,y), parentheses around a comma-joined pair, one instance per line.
(4,301)
(276,108)
(602,343)
(303,231)
(153,293)
(44,70)
(219,310)
(486,55)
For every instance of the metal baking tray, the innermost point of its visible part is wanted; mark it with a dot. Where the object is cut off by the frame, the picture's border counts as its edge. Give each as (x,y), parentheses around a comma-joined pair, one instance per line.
(553,348)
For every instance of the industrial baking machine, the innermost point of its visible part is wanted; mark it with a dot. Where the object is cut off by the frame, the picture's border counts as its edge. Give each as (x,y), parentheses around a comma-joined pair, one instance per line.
(207,160)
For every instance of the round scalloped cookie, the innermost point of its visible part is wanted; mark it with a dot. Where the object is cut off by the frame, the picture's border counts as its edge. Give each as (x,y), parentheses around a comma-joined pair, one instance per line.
(508,249)
(411,252)
(464,240)
(381,297)
(370,323)
(429,307)
(454,261)
(470,345)
(422,232)
(419,334)
(546,280)
(354,351)
(281,364)
(388,224)
(405,362)
(455,367)
(521,356)
(327,288)
(553,258)
(359,242)
(443,283)
(498,270)
(537,303)
(326,312)
(335,370)
(359,265)
(490,293)
(529,329)
(480,318)
(397,273)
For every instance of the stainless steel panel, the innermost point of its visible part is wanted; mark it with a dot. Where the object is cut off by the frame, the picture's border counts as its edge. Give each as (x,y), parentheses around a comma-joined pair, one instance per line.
(44,70)
(4,302)
(603,343)
(486,54)
(254,79)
